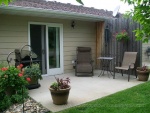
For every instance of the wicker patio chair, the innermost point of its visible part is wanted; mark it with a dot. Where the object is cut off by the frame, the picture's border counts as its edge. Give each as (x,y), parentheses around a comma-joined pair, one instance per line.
(84,62)
(128,64)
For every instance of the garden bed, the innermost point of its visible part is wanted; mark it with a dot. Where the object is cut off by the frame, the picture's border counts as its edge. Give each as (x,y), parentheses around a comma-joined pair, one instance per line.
(30,106)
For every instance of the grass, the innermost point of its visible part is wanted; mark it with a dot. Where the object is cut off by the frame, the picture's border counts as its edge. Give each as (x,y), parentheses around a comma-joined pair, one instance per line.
(132,100)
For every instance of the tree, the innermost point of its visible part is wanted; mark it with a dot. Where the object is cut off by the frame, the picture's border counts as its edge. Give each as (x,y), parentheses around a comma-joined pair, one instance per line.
(7,1)
(140,14)
(80,1)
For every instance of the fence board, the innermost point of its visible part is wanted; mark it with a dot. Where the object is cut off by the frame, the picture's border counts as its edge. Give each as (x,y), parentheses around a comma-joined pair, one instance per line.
(116,49)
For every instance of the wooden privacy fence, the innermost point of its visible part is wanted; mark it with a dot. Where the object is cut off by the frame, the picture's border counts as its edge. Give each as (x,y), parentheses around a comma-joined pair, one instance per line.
(113,48)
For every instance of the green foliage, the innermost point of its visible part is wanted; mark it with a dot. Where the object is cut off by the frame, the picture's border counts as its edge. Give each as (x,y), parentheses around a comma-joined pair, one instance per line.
(5,2)
(17,98)
(12,77)
(60,84)
(6,101)
(80,1)
(54,85)
(123,35)
(33,71)
(12,81)
(140,14)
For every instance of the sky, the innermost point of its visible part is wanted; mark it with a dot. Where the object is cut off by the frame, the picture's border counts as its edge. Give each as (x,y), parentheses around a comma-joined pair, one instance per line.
(109,5)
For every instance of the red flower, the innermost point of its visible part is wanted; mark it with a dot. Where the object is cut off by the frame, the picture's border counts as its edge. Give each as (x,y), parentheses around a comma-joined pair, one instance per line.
(4,69)
(28,79)
(21,65)
(20,74)
(18,67)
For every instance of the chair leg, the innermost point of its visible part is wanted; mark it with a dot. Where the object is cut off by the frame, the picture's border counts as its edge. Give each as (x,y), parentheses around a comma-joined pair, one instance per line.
(92,73)
(114,74)
(128,75)
(75,73)
(122,72)
(135,73)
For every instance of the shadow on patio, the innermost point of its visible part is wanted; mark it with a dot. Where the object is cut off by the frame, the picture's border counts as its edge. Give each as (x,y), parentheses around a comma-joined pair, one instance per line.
(83,89)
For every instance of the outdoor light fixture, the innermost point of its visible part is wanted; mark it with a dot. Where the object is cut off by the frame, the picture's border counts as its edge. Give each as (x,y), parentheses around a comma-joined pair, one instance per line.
(73,24)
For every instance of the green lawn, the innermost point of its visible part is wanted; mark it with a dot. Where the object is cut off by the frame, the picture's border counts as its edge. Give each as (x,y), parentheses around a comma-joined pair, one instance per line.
(133,100)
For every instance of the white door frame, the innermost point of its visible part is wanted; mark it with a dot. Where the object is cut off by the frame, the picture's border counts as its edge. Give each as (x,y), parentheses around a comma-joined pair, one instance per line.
(56,70)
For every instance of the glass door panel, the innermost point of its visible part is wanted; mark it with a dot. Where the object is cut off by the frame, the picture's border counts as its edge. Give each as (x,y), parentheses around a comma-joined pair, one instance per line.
(54,47)
(54,50)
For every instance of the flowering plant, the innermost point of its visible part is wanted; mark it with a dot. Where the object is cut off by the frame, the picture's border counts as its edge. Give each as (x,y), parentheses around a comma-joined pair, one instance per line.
(143,68)
(60,84)
(33,71)
(12,77)
(123,35)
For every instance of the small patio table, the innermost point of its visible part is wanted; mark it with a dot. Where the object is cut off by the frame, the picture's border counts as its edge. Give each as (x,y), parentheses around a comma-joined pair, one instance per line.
(105,63)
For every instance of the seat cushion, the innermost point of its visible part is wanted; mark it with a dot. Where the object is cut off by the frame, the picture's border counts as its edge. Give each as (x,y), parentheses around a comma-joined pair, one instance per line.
(84,67)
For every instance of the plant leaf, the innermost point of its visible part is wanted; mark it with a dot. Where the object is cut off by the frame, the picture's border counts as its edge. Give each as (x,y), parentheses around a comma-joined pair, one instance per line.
(80,1)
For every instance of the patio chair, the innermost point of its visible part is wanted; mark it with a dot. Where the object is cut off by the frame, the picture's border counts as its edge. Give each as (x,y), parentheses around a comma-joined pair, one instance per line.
(84,62)
(128,64)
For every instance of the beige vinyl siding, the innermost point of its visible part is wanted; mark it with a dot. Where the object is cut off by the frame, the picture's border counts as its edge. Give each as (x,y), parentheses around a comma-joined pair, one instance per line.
(145,59)
(14,34)
(83,34)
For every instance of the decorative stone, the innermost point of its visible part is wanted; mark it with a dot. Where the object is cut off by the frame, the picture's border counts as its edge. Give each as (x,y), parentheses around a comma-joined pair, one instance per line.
(30,106)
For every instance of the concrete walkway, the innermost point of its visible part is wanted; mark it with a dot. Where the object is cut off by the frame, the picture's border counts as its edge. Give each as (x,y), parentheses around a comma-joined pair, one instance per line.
(83,89)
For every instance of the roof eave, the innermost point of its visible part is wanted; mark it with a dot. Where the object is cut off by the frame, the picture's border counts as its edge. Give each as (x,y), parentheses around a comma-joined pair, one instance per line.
(17,10)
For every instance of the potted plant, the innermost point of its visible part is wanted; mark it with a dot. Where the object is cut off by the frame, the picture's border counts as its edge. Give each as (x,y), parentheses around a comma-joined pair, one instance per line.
(143,73)
(60,90)
(34,73)
(122,36)
(12,79)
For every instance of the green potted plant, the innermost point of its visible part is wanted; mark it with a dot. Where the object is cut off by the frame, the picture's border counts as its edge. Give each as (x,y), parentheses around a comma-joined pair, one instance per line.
(12,79)
(122,36)
(60,91)
(143,73)
(34,73)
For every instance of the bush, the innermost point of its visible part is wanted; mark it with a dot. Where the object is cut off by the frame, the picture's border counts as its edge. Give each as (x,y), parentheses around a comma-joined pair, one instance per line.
(12,80)
(5,101)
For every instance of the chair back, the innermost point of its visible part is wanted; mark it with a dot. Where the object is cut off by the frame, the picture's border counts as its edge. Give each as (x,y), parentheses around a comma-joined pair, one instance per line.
(84,55)
(129,57)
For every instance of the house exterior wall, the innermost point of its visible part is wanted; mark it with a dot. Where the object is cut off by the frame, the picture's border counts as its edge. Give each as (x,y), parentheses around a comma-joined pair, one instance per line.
(14,34)
(145,58)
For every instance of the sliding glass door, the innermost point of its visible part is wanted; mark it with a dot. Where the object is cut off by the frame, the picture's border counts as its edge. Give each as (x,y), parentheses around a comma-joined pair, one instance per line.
(46,39)
(54,50)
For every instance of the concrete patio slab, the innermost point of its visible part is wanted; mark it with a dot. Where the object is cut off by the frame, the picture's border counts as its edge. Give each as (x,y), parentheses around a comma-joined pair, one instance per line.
(83,89)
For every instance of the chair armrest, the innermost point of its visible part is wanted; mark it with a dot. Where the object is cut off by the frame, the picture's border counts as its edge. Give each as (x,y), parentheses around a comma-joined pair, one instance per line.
(131,64)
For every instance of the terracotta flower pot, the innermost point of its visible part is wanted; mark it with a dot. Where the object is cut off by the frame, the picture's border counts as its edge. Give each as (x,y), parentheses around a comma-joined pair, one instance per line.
(60,97)
(142,75)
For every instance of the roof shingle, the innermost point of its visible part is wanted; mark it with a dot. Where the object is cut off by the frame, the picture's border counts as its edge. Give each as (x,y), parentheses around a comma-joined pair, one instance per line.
(53,5)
